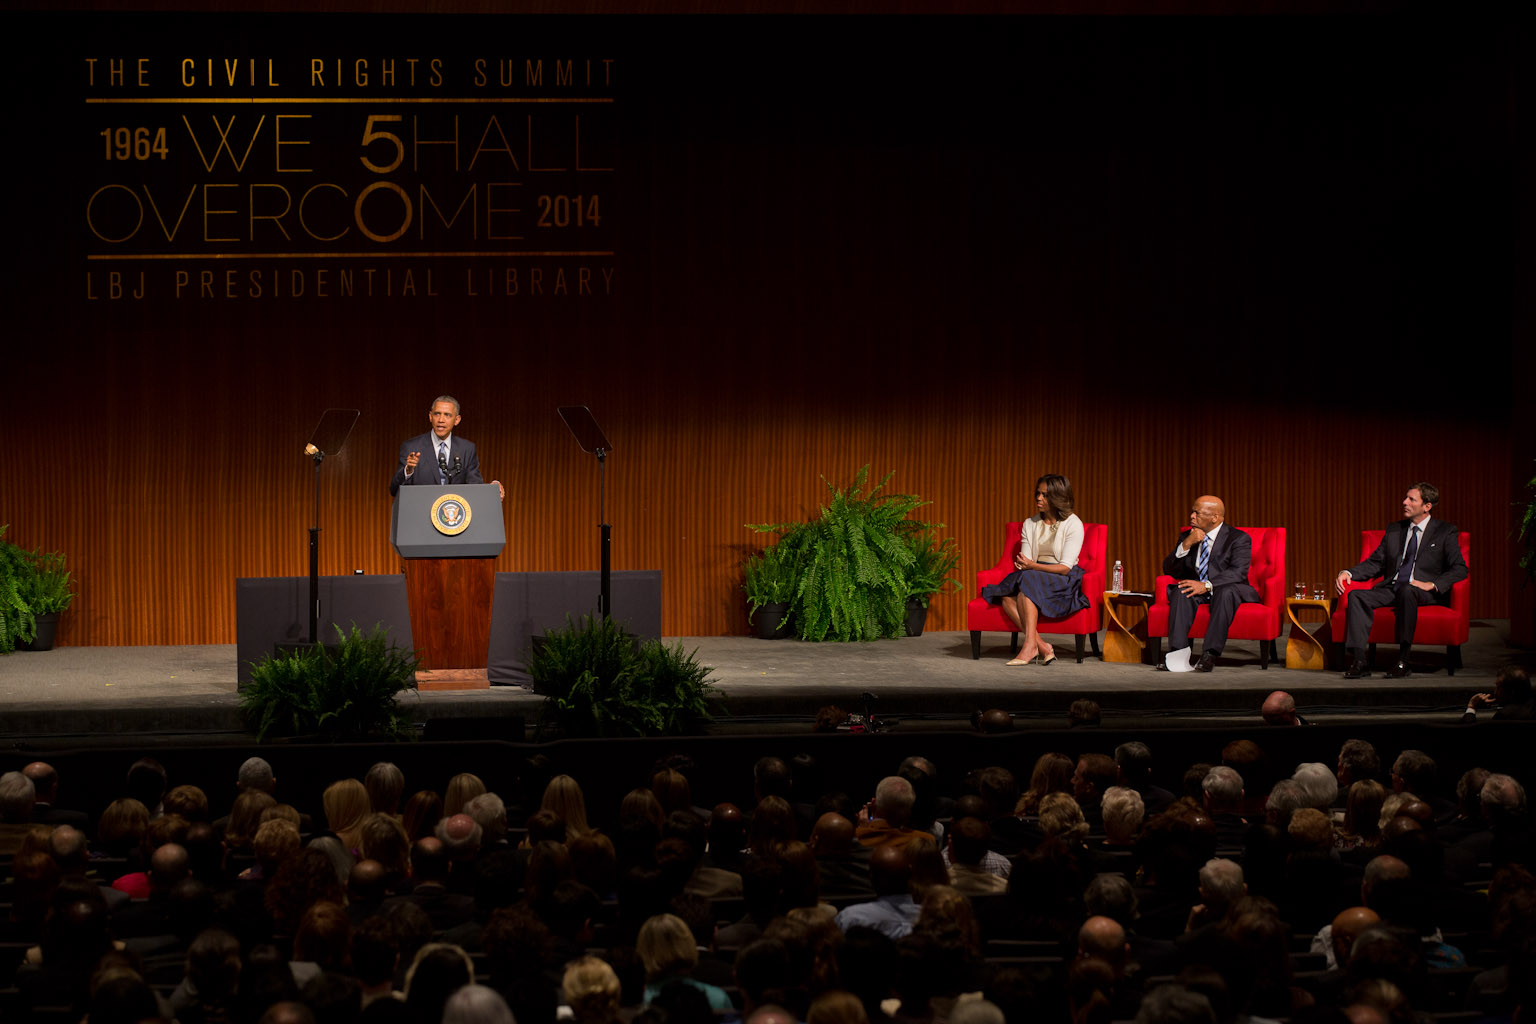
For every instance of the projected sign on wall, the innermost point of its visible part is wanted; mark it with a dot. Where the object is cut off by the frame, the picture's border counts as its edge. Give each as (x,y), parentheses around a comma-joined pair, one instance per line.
(259,178)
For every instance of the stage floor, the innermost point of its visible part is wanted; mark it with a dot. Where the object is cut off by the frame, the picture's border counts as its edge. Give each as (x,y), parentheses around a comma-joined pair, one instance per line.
(74,692)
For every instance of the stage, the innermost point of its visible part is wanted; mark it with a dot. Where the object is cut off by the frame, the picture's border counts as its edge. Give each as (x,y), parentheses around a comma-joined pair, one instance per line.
(146,695)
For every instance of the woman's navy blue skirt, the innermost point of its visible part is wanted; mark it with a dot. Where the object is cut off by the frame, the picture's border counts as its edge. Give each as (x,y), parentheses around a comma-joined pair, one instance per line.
(1055,594)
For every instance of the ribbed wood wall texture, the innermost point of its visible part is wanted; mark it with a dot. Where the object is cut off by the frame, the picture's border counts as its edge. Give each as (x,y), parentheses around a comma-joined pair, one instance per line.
(1144,257)
(157,550)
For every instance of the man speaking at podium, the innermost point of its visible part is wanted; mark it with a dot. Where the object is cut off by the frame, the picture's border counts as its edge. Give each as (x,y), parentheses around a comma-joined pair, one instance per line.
(437,457)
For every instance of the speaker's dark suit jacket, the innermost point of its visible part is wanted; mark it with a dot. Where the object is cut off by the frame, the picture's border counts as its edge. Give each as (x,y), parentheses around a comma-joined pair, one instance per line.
(1227,572)
(1439,562)
(468,471)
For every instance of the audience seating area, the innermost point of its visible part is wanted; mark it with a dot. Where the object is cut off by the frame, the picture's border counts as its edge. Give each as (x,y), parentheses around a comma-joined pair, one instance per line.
(1089,876)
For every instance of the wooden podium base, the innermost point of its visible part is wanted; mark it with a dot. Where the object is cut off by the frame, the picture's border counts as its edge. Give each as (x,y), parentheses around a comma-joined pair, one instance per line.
(453,679)
(450,602)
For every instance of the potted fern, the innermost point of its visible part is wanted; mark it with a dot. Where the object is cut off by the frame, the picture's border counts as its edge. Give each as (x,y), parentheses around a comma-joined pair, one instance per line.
(771,577)
(929,573)
(18,625)
(854,562)
(346,692)
(597,682)
(48,595)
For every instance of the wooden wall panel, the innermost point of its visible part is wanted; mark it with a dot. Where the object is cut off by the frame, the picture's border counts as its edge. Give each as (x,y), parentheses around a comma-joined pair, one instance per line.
(156,551)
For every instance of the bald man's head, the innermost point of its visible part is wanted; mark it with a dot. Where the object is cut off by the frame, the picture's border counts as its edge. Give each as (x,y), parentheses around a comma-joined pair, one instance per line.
(1279,709)
(889,870)
(168,865)
(1103,937)
(832,835)
(1347,926)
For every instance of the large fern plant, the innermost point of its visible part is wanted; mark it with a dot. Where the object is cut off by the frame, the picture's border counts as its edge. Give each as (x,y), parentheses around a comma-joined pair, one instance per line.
(18,622)
(858,562)
(346,692)
(598,682)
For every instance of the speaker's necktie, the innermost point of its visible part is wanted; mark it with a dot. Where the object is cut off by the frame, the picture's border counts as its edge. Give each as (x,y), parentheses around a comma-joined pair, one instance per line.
(1204,562)
(1405,571)
(442,460)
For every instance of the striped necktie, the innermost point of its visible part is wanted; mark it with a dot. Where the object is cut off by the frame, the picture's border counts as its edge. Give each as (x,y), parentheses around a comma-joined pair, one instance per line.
(1204,562)
(442,460)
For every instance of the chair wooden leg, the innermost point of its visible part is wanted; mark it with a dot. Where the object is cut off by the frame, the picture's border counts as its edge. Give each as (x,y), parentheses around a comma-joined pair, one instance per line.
(1079,648)
(1452,659)
(1264,654)
(1155,645)
(975,644)
(1013,643)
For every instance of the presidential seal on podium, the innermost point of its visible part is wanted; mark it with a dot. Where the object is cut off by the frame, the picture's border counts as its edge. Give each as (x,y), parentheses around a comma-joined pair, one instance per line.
(450,514)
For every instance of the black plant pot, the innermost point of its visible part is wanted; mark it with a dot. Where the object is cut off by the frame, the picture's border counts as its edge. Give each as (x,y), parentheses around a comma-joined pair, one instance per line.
(917,616)
(772,620)
(47,629)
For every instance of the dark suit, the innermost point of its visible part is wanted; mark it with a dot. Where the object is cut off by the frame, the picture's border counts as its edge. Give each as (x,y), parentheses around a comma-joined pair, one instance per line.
(1439,562)
(1227,573)
(463,463)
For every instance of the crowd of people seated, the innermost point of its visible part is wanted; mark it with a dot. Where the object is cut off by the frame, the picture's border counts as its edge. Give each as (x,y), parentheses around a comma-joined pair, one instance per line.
(1070,891)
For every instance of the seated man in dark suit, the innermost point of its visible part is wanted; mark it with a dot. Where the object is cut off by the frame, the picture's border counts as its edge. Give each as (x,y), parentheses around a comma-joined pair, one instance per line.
(1210,565)
(1418,560)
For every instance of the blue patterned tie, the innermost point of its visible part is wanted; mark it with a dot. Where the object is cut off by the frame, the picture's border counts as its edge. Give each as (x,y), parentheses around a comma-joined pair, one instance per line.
(1405,571)
(442,458)
(1205,557)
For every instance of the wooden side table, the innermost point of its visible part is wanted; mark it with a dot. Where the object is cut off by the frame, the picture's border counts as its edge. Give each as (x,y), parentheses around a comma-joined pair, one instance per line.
(1308,650)
(1125,627)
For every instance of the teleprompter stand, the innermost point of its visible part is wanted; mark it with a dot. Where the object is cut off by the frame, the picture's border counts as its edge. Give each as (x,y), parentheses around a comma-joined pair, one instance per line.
(329,436)
(578,419)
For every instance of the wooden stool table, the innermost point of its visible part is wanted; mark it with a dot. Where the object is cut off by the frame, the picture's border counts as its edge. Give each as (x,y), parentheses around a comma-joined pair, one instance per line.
(1308,650)
(1125,627)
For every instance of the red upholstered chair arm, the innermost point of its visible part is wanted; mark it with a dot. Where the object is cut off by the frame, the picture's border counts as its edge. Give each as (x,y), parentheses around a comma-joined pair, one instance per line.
(1273,592)
(1093,588)
(1160,590)
(987,577)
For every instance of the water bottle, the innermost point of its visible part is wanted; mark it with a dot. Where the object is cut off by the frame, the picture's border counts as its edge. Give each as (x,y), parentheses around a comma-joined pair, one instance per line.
(1118,581)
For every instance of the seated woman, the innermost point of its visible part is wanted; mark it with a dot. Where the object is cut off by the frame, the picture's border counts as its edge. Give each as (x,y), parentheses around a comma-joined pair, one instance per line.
(1046,578)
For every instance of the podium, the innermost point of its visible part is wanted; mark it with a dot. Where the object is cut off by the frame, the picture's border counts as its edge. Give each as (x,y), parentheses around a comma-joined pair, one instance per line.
(449,537)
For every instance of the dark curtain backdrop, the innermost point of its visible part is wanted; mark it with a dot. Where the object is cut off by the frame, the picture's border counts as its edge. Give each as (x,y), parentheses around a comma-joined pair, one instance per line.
(1269,260)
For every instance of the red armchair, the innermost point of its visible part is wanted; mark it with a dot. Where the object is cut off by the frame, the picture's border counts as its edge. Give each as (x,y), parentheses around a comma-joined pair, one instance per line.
(1438,624)
(1261,622)
(981,616)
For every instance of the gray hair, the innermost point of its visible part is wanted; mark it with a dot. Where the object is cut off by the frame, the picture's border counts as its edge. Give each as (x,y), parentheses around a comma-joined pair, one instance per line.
(480,1004)
(1221,880)
(1503,792)
(1223,785)
(894,797)
(457,411)
(255,773)
(1319,786)
(972,1011)
(1175,1004)
(1123,811)
(17,795)
(341,858)
(490,813)
(1286,798)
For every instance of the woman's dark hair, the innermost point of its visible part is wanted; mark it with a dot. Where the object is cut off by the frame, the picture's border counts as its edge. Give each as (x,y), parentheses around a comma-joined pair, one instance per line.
(1058,495)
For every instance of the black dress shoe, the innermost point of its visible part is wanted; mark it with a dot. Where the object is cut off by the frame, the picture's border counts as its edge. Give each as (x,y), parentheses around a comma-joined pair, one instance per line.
(1206,663)
(1357,670)
(1399,671)
(1163,667)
